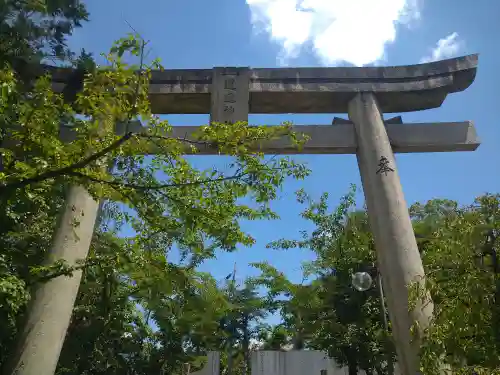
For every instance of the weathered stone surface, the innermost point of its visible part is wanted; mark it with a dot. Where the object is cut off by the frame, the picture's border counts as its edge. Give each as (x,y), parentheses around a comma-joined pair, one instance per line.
(52,302)
(229,95)
(341,139)
(313,90)
(398,258)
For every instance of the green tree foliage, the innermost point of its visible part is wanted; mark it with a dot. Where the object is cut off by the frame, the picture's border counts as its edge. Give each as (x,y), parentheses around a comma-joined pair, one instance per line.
(242,324)
(35,30)
(342,321)
(161,197)
(294,302)
(275,337)
(139,313)
(458,246)
(151,186)
(29,32)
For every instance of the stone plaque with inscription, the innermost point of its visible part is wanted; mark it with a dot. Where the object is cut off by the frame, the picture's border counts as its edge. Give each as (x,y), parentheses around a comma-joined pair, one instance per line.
(230,95)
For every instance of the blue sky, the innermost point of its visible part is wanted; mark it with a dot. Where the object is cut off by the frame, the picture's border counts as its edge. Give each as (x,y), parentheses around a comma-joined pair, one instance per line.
(271,33)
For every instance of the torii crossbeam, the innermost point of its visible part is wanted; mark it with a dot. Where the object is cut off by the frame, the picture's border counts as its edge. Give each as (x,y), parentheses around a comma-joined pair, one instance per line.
(230,94)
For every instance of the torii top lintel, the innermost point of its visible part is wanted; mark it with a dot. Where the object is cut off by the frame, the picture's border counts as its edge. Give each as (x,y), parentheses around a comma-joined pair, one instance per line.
(312,90)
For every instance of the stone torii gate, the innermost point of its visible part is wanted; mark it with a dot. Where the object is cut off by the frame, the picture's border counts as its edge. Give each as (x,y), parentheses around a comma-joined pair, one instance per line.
(365,94)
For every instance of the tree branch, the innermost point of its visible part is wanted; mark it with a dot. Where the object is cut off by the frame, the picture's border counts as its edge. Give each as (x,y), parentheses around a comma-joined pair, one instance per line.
(169,185)
(190,141)
(157,187)
(66,170)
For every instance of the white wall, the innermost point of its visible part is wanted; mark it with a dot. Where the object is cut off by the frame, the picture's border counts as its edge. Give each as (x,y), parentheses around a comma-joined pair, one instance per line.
(294,362)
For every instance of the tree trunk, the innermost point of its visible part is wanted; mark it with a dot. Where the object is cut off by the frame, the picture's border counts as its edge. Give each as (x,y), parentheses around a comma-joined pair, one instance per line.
(298,339)
(352,362)
(49,312)
(246,347)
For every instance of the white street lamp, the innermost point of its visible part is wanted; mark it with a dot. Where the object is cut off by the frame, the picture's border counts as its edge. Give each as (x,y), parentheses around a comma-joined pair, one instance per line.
(362,281)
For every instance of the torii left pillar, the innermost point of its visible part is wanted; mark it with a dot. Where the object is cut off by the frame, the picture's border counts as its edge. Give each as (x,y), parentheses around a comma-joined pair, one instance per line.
(51,306)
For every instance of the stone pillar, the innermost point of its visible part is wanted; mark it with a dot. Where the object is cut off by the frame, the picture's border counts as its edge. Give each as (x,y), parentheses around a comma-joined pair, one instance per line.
(397,252)
(49,312)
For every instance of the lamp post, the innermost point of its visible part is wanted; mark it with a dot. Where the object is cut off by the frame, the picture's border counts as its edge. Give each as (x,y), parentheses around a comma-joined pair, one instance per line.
(362,281)
(489,249)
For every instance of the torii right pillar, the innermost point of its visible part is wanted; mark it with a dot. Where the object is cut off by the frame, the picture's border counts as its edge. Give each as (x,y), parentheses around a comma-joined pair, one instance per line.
(397,252)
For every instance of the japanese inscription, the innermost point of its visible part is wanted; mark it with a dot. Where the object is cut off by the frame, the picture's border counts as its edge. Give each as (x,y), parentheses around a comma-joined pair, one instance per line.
(228,108)
(230,95)
(229,83)
(384,166)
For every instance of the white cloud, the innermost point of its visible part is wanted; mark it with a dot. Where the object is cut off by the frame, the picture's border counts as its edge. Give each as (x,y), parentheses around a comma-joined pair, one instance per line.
(353,31)
(445,48)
